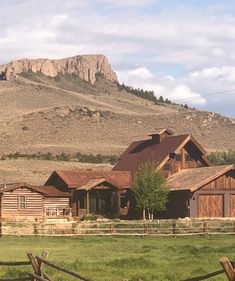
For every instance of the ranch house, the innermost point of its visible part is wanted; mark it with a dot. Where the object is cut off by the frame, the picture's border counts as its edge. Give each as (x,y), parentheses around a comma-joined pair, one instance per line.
(197,189)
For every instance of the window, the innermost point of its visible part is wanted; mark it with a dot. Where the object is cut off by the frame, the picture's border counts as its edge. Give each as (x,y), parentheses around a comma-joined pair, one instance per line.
(22,202)
(189,158)
(178,157)
(167,167)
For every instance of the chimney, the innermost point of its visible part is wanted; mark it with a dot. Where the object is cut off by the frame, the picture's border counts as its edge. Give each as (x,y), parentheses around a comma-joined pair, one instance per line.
(161,135)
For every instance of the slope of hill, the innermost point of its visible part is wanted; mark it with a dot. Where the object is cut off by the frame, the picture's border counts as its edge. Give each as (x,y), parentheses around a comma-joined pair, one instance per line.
(68,114)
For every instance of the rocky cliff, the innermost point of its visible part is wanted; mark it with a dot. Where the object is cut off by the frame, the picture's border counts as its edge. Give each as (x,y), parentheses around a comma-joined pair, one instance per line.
(85,66)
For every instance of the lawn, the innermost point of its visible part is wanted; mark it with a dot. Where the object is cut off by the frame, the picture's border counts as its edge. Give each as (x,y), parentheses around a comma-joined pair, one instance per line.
(119,258)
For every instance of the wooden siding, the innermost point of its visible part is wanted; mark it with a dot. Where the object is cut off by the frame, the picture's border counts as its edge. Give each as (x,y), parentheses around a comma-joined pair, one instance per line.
(10,203)
(226,181)
(56,202)
(184,163)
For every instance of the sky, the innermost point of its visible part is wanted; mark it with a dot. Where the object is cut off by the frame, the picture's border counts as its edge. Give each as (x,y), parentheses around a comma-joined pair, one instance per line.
(183,50)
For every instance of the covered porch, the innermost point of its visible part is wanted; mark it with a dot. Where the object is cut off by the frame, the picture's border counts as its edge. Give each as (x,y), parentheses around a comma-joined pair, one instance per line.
(98,196)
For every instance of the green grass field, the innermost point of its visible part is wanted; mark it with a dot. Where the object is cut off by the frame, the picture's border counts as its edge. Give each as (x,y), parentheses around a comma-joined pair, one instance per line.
(119,258)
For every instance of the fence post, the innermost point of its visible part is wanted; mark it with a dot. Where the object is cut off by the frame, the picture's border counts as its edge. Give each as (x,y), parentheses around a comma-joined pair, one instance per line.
(234,227)
(146,232)
(205,229)
(228,268)
(174,229)
(112,228)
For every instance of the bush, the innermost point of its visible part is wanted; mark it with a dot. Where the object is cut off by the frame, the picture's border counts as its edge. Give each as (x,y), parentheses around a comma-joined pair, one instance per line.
(89,218)
(83,158)
(222,158)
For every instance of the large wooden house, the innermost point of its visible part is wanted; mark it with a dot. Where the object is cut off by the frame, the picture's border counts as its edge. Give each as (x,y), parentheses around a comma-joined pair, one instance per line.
(198,189)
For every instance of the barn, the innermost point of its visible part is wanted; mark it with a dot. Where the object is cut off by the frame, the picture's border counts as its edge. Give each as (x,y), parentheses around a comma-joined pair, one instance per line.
(23,200)
(203,192)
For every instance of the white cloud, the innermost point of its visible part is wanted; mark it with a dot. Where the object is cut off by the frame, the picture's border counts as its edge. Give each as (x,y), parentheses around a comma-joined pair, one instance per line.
(200,39)
(183,94)
(166,86)
(225,73)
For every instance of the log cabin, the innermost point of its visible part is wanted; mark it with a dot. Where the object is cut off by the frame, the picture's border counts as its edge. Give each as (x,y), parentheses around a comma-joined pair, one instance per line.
(21,200)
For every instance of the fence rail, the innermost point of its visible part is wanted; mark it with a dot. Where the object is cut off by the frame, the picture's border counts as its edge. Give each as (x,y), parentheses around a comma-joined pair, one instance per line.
(155,228)
(39,273)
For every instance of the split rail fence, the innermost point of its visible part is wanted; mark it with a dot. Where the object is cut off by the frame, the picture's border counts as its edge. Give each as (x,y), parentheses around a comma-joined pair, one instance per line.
(38,272)
(155,228)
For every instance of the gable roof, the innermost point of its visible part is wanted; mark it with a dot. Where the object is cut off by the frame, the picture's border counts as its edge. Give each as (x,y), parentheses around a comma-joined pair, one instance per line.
(76,179)
(93,183)
(195,178)
(149,150)
(50,191)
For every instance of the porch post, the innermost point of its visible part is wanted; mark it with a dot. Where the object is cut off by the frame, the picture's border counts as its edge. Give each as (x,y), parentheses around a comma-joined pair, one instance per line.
(118,203)
(87,202)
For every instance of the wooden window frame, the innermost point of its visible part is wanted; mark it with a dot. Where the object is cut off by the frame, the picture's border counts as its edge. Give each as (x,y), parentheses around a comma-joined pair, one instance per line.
(19,203)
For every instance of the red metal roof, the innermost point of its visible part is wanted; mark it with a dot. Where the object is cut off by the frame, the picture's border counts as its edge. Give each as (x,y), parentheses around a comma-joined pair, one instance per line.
(50,191)
(80,178)
(149,150)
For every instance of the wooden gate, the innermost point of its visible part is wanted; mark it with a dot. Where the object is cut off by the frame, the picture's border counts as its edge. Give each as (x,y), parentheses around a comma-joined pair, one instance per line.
(232,206)
(210,205)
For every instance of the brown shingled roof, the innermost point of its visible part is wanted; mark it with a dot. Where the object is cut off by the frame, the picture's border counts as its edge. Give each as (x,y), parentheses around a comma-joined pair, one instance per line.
(195,178)
(75,179)
(50,191)
(148,150)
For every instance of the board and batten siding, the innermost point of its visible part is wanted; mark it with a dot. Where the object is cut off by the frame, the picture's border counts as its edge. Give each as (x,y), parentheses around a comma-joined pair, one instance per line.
(215,199)
(10,203)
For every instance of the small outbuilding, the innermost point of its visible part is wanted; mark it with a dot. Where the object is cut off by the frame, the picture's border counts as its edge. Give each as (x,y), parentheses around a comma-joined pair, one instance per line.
(24,200)
(203,192)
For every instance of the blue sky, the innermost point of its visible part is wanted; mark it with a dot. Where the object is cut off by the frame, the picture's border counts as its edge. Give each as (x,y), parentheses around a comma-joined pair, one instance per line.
(182,50)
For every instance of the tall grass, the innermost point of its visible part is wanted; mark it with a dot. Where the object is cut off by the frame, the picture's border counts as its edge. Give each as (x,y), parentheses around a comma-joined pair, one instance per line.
(118,258)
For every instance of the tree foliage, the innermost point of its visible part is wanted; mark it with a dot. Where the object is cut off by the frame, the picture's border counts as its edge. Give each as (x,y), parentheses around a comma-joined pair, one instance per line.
(222,158)
(151,190)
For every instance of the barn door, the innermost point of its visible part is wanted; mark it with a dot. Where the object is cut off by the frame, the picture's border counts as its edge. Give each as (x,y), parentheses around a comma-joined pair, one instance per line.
(232,206)
(210,205)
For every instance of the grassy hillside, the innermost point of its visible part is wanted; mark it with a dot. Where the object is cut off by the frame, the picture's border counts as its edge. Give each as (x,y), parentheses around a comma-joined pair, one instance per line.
(37,172)
(66,114)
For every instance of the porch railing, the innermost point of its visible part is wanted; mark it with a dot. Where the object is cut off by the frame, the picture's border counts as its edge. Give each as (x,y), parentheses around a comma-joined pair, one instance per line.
(57,211)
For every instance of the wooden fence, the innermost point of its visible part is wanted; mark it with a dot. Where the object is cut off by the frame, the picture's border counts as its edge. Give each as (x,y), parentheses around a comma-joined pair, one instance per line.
(122,228)
(38,272)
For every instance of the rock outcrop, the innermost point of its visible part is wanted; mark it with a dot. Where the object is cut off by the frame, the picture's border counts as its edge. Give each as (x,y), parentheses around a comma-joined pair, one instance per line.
(85,66)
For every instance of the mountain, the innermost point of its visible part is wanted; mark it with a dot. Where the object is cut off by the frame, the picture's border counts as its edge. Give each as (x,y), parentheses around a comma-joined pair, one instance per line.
(85,67)
(76,105)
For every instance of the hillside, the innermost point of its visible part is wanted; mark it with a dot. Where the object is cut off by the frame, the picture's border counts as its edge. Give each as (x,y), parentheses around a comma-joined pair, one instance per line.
(65,113)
